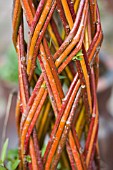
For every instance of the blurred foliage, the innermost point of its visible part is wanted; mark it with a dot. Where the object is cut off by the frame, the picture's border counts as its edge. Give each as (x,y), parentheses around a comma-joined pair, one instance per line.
(9,70)
(10,160)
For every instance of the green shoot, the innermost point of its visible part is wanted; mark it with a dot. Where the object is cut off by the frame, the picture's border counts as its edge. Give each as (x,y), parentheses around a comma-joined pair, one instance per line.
(50,42)
(43,86)
(78,56)
(4,150)
(28,158)
(62,77)
(38,68)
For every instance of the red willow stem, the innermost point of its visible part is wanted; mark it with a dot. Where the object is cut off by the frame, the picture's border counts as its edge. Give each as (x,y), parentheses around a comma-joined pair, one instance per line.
(30,166)
(53,102)
(93,151)
(21,84)
(37,150)
(95,112)
(23,61)
(31,100)
(71,7)
(79,148)
(70,155)
(96,40)
(92,5)
(36,115)
(55,30)
(51,77)
(78,111)
(37,15)
(62,16)
(53,69)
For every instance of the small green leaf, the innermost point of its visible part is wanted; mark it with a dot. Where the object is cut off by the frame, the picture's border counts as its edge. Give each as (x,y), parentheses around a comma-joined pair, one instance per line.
(79,53)
(28,158)
(43,86)
(62,77)
(4,150)
(38,68)
(15,164)
(59,166)
(49,43)
(78,56)
(43,149)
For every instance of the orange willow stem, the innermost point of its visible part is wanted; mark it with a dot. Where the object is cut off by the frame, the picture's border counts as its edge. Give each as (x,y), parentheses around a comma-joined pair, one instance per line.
(67,13)
(18,115)
(17,13)
(37,31)
(27,10)
(32,154)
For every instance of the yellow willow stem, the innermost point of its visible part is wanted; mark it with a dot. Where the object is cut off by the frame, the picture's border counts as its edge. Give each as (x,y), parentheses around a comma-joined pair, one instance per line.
(53,37)
(86,76)
(43,122)
(76,5)
(70,76)
(80,123)
(86,39)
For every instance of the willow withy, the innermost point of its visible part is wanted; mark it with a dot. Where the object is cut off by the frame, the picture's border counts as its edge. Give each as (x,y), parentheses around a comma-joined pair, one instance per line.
(57,44)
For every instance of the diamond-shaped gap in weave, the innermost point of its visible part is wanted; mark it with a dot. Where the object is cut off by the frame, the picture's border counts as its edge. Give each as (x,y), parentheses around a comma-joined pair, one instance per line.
(58,75)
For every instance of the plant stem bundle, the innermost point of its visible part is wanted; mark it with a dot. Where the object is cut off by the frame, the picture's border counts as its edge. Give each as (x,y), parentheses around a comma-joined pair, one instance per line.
(57,107)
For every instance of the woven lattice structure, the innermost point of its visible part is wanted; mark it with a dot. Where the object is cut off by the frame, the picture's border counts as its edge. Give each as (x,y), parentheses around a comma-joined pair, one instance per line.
(58,73)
